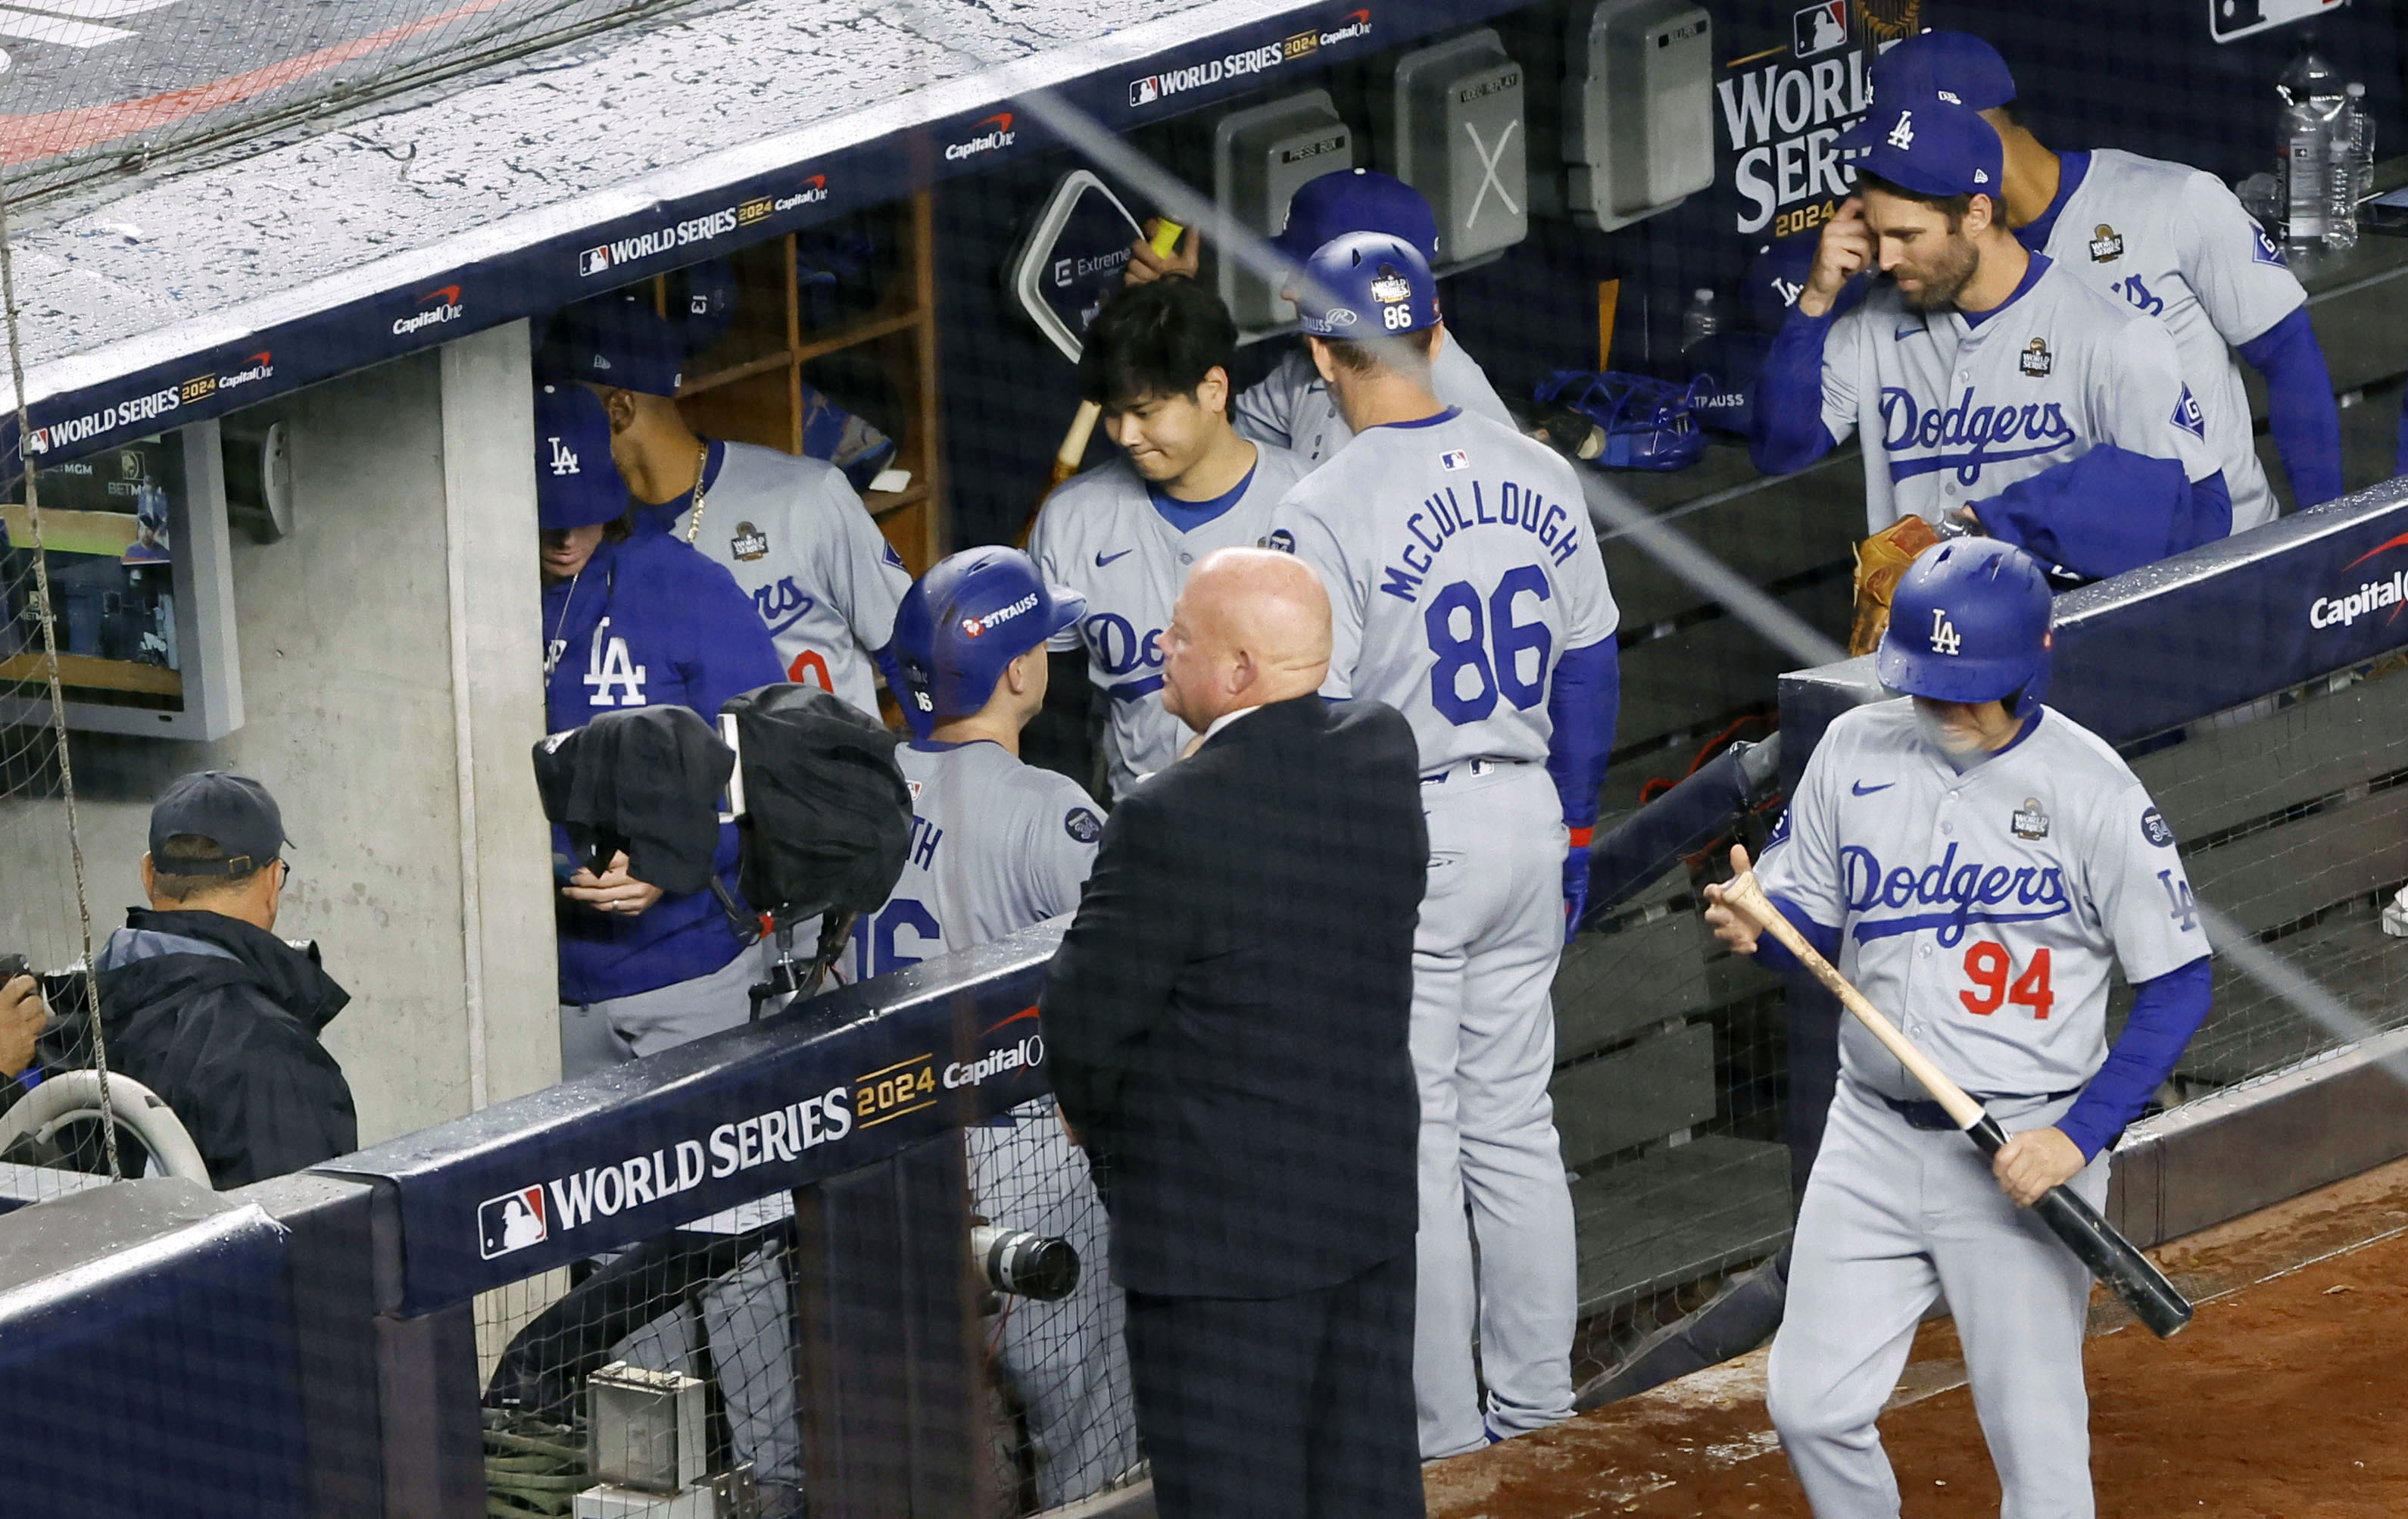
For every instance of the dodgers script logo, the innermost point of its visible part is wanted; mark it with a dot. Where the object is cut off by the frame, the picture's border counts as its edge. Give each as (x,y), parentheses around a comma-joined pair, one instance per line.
(1967,893)
(1966,435)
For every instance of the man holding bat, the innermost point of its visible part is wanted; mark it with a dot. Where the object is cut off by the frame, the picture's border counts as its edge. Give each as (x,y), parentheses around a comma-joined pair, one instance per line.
(1970,861)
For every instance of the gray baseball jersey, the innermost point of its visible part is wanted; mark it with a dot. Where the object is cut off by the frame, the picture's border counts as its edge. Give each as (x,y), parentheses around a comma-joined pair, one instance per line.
(804,548)
(1953,412)
(1293,408)
(2174,243)
(1980,909)
(996,846)
(1101,536)
(1460,564)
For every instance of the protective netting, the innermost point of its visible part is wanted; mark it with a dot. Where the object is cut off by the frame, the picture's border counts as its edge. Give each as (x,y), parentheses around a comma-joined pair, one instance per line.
(714,1302)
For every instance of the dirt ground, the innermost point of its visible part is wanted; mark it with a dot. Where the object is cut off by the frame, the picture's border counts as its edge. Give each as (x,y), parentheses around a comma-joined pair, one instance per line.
(2286,1398)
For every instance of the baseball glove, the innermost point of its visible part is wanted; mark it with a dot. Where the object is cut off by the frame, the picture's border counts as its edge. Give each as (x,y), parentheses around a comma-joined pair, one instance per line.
(1881,559)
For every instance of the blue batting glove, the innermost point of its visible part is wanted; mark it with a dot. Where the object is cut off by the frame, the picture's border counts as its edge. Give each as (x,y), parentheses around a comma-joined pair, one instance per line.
(1575,890)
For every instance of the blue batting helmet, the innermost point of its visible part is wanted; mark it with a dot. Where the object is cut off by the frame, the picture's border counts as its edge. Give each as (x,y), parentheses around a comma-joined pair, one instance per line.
(965,620)
(1969,622)
(1380,285)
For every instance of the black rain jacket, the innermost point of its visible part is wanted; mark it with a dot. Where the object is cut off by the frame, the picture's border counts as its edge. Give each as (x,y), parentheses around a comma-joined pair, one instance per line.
(222,1020)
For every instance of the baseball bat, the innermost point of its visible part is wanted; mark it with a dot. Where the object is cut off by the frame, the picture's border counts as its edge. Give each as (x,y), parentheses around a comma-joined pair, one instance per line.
(1073,450)
(2129,1274)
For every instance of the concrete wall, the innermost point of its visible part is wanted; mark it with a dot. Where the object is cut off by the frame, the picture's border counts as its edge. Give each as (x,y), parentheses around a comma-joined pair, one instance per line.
(391,681)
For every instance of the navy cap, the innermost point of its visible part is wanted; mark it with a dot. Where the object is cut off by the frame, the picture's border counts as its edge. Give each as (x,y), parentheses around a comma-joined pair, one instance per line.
(703,299)
(576,484)
(1330,205)
(1955,66)
(1930,147)
(968,618)
(231,811)
(616,340)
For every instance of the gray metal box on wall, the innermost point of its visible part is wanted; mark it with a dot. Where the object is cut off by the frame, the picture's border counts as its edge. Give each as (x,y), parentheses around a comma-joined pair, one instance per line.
(1260,155)
(1639,109)
(1457,135)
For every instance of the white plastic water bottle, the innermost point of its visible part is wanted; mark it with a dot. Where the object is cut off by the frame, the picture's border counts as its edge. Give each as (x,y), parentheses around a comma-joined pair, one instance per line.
(2313,106)
(1701,321)
(2341,175)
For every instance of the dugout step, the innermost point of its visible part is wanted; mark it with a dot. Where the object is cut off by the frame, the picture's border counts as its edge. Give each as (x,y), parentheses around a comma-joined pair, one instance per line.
(1677,1215)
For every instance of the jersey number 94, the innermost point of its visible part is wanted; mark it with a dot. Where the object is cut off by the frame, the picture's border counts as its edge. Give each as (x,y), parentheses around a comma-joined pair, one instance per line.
(1483,647)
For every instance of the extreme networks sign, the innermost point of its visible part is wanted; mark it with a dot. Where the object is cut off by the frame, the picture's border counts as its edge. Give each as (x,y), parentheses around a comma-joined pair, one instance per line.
(847,1081)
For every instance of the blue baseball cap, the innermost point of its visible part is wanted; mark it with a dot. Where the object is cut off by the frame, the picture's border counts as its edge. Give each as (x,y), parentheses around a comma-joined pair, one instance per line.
(703,301)
(1955,66)
(576,484)
(616,340)
(1331,206)
(231,811)
(1928,146)
(966,618)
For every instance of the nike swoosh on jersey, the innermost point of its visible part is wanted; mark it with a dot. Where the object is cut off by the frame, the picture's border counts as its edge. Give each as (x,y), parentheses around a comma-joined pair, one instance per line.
(1102,558)
(1860,789)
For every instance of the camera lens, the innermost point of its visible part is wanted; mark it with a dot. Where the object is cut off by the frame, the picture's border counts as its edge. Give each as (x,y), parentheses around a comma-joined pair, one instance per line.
(1025,1263)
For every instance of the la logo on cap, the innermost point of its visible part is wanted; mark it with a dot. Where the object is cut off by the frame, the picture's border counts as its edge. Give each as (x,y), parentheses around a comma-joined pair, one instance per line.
(563,458)
(1901,136)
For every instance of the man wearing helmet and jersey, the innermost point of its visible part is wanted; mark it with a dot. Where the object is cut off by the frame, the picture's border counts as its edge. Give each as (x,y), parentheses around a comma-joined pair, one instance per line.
(1292,407)
(1467,592)
(1974,862)
(998,846)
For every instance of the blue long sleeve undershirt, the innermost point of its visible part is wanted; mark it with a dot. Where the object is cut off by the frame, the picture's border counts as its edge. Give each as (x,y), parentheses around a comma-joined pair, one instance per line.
(1582,704)
(1788,434)
(2166,1012)
(2150,510)
(2300,409)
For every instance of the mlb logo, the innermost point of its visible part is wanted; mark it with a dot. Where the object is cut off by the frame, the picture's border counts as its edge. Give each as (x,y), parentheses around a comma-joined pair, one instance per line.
(592,260)
(1145,92)
(511,1221)
(1819,28)
(1455,459)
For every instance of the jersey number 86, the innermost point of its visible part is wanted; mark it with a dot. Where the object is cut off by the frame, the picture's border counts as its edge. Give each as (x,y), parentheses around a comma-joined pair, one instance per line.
(1471,650)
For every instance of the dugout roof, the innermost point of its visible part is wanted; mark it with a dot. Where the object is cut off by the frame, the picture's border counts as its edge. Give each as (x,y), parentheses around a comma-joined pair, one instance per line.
(204,231)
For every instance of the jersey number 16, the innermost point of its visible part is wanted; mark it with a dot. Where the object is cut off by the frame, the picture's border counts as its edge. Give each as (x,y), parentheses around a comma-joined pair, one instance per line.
(1469,649)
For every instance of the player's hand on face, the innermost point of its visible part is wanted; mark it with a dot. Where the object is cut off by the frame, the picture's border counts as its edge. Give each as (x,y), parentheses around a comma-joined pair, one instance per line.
(21,1018)
(1145,266)
(1844,250)
(1732,926)
(613,891)
(2034,1161)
